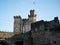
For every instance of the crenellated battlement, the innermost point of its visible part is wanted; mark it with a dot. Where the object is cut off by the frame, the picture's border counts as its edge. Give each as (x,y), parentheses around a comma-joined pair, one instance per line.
(32,13)
(17,16)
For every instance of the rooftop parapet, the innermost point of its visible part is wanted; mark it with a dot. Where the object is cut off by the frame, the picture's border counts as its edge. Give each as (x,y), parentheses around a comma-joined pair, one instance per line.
(17,16)
(32,10)
(32,14)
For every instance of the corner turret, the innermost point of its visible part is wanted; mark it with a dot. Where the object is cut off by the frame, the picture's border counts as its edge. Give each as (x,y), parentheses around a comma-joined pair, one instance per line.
(56,20)
(17,24)
(32,16)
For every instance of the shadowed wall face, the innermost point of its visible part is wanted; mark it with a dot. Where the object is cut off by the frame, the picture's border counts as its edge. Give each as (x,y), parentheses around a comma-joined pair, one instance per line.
(3,43)
(19,43)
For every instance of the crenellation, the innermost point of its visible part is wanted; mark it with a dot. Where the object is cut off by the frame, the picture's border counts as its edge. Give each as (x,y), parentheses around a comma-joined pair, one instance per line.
(17,17)
(32,12)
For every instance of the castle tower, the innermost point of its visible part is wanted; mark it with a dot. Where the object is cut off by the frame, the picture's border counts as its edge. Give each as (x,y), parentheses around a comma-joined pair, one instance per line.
(32,16)
(17,24)
(56,20)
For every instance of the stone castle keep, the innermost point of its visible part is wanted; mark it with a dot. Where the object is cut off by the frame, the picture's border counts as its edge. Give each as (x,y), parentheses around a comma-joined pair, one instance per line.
(24,25)
(32,32)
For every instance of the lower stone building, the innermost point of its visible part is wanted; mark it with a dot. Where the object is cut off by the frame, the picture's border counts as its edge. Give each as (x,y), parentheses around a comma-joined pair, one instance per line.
(43,34)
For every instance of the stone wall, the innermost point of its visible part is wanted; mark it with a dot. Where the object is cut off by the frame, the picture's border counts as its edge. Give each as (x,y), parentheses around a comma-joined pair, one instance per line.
(43,34)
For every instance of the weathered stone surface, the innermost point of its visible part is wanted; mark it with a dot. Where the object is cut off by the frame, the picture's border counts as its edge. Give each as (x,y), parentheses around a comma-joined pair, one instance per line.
(32,32)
